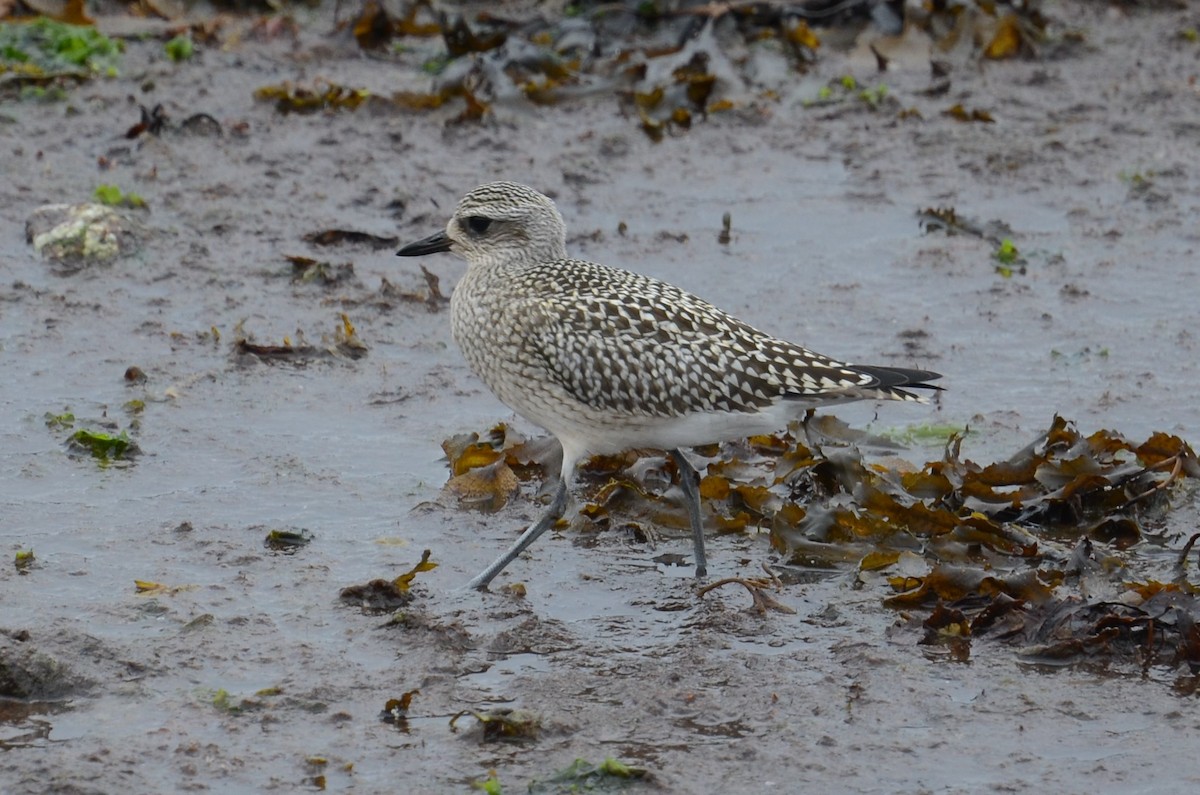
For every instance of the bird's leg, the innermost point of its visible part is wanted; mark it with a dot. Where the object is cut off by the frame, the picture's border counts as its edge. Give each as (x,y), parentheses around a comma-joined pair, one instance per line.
(690,481)
(557,506)
(808,415)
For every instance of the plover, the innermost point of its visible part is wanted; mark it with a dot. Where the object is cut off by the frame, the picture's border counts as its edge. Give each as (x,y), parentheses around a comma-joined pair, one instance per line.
(607,360)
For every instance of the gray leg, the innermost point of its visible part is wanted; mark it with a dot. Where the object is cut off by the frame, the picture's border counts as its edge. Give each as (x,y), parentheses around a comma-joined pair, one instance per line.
(690,481)
(557,506)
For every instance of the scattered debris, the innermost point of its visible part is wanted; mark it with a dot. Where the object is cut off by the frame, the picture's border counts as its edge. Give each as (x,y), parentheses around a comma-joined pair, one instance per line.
(150,588)
(40,49)
(113,196)
(959,113)
(669,66)
(1007,256)
(287,541)
(763,602)
(24,560)
(396,709)
(404,581)
(998,549)
(384,596)
(103,446)
(153,121)
(433,299)
(724,237)
(501,724)
(180,48)
(64,420)
(344,344)
(72,236)
(486,473)
(948,221)
(611,775)
(334,237)
(306,270)
(291,98)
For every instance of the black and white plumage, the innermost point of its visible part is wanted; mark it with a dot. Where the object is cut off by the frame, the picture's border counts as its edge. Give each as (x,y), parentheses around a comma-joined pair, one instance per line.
(607,360)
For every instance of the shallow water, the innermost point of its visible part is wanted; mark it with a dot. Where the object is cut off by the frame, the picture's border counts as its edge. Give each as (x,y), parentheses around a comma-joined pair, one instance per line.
(615,653)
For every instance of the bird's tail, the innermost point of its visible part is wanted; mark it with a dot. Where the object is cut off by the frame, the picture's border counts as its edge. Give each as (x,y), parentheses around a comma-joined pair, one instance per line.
(894,383)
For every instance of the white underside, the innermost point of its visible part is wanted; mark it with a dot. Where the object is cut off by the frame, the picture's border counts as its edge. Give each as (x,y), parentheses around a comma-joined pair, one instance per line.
(691,430)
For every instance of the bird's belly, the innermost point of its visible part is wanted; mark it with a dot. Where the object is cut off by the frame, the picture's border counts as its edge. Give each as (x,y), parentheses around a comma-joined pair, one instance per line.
(530,393)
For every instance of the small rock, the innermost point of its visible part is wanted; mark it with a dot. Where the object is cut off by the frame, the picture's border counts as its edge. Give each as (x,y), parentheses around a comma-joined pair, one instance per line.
(74,236)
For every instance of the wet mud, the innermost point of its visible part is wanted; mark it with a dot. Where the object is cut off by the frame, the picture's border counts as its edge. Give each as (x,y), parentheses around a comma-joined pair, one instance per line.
(161,639)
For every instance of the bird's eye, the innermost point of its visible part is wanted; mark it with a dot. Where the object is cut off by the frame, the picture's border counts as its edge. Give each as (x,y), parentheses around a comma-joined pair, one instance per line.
(478,224)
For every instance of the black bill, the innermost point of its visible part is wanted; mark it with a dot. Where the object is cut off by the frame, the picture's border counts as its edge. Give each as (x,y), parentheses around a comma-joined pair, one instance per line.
(434,244)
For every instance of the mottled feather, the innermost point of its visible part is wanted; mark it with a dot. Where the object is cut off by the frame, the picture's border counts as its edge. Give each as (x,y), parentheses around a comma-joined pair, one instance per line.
(607,358)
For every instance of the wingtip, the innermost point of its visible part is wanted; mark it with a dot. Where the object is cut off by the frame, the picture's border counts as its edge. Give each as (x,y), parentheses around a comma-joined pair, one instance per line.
(900,378)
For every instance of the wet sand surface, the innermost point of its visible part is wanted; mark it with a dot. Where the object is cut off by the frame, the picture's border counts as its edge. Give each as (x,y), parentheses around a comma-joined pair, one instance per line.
(1091,162)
